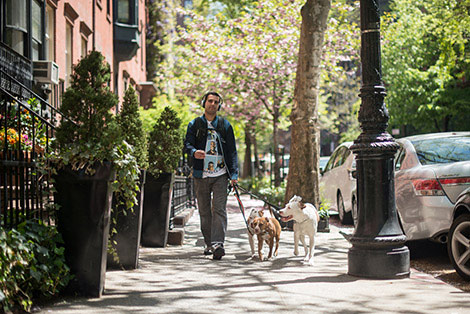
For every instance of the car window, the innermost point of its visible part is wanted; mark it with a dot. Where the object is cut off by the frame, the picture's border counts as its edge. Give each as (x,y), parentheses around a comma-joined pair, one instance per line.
(400,155)
(331,161)
(442,150)
(339,157)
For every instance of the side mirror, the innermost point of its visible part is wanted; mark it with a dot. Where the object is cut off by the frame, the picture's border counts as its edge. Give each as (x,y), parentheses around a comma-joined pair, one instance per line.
(354,174)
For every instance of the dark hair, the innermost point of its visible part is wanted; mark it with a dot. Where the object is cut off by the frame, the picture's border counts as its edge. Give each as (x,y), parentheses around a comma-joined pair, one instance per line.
(204,98)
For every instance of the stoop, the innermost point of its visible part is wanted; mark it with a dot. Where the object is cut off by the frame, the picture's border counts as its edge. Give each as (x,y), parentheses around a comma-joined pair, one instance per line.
(176,235)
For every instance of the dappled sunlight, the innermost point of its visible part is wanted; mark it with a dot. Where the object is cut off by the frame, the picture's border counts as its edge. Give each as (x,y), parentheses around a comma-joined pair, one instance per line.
(180,279)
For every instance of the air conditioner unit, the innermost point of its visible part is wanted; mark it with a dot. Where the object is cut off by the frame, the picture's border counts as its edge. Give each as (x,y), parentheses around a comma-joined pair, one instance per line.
(46,72)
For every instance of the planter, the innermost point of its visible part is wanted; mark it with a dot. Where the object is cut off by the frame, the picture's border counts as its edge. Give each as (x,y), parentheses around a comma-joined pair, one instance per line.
(126,241)
(83,221)
(158,192)
(324,225)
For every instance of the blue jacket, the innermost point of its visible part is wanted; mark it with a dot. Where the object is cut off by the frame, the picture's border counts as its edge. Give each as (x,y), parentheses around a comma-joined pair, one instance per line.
(229,149)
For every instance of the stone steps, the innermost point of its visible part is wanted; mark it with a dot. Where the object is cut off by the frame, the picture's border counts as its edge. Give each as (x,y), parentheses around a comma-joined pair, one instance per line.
(176,235)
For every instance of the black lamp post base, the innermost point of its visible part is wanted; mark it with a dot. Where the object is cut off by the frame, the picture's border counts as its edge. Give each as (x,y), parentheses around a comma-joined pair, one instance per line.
(383,263)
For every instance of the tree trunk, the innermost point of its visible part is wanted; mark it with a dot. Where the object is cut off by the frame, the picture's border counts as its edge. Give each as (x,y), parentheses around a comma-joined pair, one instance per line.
(303,179)
(257,162)
(247,161)
(276,151)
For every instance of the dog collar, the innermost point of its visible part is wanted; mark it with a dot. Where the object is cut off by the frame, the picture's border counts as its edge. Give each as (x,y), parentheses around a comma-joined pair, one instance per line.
(295,222)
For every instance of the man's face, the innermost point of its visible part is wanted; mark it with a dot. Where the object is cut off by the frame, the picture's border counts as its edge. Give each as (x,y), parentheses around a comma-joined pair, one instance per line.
(212,104)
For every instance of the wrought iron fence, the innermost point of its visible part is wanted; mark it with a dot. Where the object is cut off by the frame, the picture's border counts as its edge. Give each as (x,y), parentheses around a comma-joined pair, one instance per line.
(183,196)
(27,124)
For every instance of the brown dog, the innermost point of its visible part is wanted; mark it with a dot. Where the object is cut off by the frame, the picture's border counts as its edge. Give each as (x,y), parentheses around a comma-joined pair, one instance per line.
(267,229)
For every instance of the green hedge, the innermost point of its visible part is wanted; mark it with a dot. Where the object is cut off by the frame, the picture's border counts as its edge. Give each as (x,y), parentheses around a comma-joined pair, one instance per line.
(32,265)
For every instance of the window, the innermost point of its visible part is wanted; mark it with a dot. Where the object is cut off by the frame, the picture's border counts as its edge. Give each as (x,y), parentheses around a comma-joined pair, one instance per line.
(16,26)
(124,14)
(84,47)
(68,53)
(50,33)
(36,25)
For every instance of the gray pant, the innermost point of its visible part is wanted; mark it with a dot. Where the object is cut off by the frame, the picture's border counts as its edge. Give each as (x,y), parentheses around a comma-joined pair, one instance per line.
(211,194)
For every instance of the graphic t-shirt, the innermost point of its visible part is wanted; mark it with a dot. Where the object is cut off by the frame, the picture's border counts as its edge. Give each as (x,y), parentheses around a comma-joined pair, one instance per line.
(214,165)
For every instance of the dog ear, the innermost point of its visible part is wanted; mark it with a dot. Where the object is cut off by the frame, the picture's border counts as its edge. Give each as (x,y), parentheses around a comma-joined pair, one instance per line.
(261,213)
(302,205)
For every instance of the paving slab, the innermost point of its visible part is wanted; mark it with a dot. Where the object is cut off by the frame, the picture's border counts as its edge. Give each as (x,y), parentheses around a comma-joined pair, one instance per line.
(180,279)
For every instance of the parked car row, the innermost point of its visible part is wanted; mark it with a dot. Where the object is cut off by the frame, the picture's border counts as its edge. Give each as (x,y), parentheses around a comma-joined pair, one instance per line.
(432,173)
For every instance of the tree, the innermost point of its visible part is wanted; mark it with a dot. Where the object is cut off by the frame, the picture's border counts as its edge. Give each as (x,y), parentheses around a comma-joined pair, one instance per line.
(427,70)
(252,63)
(304,162)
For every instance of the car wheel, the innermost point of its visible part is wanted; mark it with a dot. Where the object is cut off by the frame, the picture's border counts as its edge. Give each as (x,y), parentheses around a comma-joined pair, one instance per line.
(345,218)
(458,245)
(354,212)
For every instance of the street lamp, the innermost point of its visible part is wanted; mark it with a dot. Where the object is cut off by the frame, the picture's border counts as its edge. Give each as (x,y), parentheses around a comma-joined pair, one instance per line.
(378,249)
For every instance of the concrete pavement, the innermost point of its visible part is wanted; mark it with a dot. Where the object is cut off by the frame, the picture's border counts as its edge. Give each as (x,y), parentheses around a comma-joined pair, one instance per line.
(180,279)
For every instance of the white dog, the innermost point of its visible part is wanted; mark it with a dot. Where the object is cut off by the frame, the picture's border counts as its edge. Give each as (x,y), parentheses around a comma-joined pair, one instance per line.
(306,219)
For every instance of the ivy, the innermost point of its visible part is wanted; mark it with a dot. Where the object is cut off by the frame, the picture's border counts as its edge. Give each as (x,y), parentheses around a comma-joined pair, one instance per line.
(32,264)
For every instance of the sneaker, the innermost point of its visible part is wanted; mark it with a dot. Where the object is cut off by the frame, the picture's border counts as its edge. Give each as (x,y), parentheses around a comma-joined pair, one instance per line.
(208,250)
(218,252)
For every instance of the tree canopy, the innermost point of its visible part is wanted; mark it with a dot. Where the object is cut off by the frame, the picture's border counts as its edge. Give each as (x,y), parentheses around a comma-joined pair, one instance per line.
(426,65)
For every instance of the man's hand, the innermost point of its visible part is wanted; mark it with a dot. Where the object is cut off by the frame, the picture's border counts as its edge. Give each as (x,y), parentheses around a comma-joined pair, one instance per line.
(199,154)
(233,182)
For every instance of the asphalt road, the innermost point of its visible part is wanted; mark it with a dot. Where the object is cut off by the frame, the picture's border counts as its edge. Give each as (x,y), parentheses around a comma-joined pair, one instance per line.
(428,257)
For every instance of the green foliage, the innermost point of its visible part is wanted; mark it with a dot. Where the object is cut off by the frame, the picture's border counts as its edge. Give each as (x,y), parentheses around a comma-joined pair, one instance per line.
(32,264)
(166,143)
(263,188)
(132,129)
(154,38)
(426,70)
(91,134)
(181,105)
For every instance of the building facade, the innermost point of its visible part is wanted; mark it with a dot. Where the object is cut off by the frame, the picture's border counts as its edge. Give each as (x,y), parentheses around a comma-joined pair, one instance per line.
(41,40)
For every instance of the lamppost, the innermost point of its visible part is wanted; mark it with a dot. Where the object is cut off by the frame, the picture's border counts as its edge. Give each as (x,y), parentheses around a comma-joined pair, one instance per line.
(378,249)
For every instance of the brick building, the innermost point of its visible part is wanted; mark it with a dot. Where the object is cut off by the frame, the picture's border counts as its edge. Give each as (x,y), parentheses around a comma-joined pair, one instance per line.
(44,38)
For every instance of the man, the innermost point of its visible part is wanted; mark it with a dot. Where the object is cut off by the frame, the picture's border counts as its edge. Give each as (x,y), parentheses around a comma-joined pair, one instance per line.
(211,183)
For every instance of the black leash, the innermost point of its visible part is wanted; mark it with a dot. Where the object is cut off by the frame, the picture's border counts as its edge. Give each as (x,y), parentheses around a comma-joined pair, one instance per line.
(273,208)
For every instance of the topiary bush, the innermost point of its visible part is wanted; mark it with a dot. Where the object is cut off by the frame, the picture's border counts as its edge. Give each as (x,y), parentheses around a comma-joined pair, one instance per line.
(166,143)
(132,129)
(91,133)
(32,265)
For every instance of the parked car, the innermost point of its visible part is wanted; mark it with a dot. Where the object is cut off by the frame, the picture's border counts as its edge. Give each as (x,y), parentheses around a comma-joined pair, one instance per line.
(323,162)
(459,236)
(337,182)
(431,170)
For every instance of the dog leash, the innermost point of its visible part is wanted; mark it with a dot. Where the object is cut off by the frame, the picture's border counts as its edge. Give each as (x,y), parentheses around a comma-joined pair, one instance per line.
(240,205)
(272,208)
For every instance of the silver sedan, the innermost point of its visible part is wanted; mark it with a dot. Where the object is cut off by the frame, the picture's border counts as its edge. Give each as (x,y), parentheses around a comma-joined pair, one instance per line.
(431,171)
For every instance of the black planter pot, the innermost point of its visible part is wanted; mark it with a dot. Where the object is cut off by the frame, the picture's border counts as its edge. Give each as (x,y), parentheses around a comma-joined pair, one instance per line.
(126,241)
(324,225)
(158,192)
(83,220)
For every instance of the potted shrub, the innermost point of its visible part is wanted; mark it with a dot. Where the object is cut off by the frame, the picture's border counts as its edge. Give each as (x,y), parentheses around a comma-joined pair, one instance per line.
(89,150)
(165,150)
(324,222)
(126,214)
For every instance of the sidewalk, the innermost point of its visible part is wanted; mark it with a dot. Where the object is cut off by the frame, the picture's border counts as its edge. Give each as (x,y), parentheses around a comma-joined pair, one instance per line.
(180,279)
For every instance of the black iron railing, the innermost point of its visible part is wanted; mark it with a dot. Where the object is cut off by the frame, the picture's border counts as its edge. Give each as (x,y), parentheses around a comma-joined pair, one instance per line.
(183,196)
(27,124)
(16,66)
